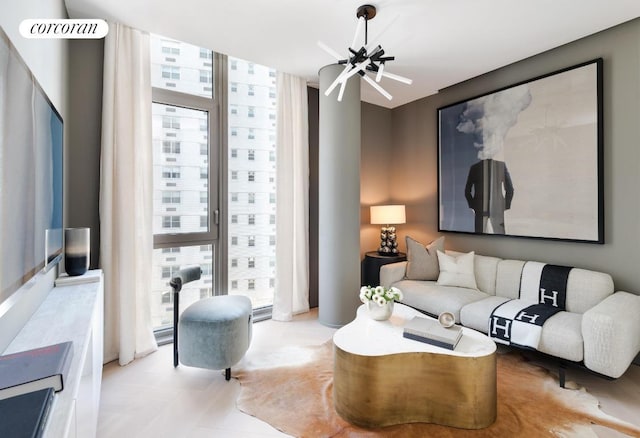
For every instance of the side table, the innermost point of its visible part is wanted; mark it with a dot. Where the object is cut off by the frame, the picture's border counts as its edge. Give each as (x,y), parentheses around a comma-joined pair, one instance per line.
(370,275)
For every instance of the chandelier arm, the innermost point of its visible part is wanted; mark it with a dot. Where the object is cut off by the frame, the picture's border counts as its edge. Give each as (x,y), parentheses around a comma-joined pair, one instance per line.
(376,53)
(337,80)
(356,69)
(358,27)
(380,72)
(341,92)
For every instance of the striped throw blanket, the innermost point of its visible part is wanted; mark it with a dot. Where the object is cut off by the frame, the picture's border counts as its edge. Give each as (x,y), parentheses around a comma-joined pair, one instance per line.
(543,292)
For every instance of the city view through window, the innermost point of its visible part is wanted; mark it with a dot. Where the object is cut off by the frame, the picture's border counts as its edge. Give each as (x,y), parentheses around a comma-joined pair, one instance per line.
(186,175)
(252,181)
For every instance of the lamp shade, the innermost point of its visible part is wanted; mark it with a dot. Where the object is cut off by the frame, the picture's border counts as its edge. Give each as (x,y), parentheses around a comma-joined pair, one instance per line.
(388,214)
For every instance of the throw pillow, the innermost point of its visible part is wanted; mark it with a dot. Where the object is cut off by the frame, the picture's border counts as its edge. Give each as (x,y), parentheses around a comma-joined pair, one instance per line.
(422,262)
(457,271)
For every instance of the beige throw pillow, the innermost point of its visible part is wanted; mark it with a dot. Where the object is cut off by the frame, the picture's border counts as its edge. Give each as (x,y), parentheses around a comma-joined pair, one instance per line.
(422,263)
(457,271)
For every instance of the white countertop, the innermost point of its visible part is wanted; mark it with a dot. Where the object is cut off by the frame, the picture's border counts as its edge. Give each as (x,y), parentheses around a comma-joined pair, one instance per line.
(367,337)
(65,315)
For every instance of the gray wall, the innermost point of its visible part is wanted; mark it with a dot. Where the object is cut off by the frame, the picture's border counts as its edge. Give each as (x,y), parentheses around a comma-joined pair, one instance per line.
(414,159)
(375,170)
(83,143)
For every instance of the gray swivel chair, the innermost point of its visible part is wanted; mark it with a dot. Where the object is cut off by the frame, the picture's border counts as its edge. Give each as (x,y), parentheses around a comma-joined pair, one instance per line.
(212,333)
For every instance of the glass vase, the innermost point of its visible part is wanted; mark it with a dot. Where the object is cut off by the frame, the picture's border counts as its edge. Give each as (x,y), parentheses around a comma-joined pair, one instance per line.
(76,251)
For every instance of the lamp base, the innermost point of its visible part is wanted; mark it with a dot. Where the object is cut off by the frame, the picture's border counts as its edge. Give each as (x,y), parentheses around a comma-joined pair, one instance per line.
(388,243)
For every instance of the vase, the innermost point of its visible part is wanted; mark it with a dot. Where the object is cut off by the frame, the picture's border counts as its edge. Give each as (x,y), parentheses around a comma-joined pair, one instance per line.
(76,250)
(380,313)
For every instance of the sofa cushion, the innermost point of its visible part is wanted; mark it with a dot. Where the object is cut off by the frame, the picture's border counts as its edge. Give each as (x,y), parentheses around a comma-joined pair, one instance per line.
(476,315)
(508,280)
(562,336)
(434,299)
(457,270)
(587,288)
(422,262)
(486,273)
(486,270)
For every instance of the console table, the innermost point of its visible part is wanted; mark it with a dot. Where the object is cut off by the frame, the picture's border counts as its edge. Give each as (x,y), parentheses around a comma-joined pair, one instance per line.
(71,313)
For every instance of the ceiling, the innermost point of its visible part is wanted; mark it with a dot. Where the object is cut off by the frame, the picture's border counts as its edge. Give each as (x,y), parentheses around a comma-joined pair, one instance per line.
(437,43)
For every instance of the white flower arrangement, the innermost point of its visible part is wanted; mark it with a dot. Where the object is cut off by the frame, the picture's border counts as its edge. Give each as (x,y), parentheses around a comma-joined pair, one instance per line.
(379,294)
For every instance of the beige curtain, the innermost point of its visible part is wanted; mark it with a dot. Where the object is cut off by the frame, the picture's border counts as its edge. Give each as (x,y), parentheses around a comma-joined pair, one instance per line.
(292,196)
(126,183)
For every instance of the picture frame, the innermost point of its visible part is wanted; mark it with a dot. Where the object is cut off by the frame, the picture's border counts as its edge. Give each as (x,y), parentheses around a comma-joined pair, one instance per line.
(526,160)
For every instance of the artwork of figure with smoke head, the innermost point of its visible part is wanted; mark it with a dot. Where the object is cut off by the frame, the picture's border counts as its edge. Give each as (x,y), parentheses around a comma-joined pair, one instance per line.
(489,189)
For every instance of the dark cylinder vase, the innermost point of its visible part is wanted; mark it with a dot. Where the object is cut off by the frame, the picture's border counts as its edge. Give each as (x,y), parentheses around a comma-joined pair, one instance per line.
(76,251)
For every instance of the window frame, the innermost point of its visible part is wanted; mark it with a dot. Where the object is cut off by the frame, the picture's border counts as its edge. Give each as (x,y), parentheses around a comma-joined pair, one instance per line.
(212,106)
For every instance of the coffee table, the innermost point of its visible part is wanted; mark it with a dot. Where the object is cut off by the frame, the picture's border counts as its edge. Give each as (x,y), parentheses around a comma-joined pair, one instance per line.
(381,378)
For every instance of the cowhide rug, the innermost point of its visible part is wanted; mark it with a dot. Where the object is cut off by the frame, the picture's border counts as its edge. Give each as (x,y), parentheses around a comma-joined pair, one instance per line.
(296,398)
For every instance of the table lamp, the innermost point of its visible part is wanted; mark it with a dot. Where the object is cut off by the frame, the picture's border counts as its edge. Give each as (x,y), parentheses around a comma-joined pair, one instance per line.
(388,215)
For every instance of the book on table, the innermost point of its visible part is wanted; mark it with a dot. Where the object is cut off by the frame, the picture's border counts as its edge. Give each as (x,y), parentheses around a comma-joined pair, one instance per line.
(430,331)
(31,370)
(25,415)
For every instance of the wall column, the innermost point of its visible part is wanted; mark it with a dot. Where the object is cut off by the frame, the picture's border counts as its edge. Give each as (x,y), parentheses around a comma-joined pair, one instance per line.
(338,201)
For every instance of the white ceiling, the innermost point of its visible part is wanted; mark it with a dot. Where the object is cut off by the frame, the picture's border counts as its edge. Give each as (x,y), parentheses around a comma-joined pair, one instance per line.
(437,43)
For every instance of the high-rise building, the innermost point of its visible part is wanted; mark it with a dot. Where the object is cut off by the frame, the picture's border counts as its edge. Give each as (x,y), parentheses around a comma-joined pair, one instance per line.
(252,180)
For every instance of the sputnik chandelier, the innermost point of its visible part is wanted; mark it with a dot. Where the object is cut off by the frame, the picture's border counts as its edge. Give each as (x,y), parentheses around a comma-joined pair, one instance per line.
(368,59)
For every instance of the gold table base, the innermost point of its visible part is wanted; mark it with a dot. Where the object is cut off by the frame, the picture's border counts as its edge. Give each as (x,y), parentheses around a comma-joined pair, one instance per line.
(418,387)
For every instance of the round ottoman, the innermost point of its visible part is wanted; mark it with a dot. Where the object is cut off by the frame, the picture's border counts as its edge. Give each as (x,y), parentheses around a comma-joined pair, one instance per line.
(215,332)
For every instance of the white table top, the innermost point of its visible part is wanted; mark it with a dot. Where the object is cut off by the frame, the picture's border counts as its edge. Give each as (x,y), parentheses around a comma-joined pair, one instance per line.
(367,337)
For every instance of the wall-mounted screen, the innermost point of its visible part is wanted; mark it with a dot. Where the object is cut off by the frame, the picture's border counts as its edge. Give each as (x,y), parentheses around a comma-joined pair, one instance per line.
(31,158)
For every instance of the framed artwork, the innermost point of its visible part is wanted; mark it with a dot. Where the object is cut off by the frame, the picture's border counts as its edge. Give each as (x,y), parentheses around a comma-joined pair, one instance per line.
(526,160)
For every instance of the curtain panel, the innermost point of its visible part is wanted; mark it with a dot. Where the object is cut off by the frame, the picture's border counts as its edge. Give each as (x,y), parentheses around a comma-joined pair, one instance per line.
(126,203)
(292,199)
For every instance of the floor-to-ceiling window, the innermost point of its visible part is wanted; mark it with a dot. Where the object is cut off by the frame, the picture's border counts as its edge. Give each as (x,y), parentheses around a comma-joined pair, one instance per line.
(186,166)
(187,171)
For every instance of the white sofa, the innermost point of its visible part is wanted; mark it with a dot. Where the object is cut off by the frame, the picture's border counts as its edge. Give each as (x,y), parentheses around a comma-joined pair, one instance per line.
(600,328)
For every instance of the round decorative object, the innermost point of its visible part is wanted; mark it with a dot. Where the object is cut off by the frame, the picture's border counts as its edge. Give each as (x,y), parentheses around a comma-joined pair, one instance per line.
(380,313)
(446,319)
